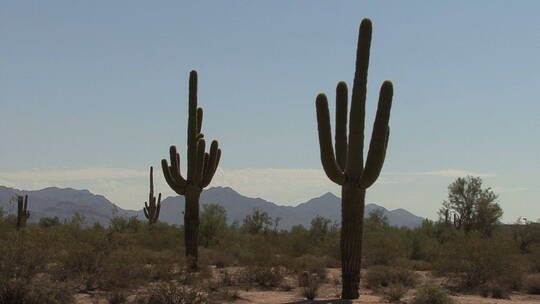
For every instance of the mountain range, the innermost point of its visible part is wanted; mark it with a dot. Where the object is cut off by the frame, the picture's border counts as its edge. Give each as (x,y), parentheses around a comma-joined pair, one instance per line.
(66,202)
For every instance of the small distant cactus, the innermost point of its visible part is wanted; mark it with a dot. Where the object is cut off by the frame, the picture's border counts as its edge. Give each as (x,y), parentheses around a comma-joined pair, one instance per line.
(22,211)
(151,208)
(201,167)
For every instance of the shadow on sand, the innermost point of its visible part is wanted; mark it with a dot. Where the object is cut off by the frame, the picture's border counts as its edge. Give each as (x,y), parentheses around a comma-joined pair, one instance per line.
(335,301)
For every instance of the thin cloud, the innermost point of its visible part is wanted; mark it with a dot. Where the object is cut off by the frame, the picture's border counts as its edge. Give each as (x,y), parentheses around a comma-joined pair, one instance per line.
(129,187)
(72,174)
(509,189)
(444,173)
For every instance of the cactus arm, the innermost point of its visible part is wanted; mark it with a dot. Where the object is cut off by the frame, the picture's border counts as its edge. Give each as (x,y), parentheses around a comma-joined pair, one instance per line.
(374,167)
(328,159)
(179,186)
(355,158)
(192,140)
(146,213)
(172,173)
(210,167)
(201,146)
(379,137)
(199,120)
(151,193)
(341,124)
(158,206)
(175,167)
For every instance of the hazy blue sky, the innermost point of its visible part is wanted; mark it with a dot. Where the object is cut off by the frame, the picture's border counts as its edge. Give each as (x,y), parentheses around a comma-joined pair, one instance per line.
(94,92)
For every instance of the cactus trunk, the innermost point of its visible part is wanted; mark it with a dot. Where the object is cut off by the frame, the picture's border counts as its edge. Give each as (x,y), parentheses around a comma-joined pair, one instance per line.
(352,209)
(22,211)
(191,229)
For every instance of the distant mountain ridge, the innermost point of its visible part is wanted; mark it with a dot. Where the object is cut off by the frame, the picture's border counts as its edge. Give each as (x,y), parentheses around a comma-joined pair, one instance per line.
(66,202)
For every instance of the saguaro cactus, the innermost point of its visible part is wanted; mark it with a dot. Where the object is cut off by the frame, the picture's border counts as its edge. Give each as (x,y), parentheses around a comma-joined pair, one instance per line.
(22,211)
(346,167)
(151,208)
(200,171)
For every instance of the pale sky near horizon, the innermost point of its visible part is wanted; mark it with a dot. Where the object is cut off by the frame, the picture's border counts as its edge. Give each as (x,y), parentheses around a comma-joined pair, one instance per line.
(93,93)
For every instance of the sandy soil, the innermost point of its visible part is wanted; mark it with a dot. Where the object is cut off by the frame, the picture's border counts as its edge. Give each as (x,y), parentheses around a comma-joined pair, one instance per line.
(329,293)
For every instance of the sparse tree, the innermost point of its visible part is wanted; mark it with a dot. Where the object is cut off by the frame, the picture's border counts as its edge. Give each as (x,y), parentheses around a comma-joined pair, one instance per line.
(526,233)
(213,223)
(470,206)
(320,227)
(259,221)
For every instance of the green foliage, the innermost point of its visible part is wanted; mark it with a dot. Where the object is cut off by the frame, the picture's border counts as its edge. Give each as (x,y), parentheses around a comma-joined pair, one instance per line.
(526,233)
(46,222)
(310,286)
(213,224)
(170,293)
(264,276)
(39,291)
(394,293)
(431,294)
(471,207)
(123,224)
(258,222)
(378,277)
(309,264)
(474,261)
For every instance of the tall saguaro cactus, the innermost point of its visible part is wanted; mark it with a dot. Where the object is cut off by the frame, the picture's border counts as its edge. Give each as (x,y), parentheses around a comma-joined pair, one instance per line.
(22,211)
(347,167)
(151,208)
(200,171)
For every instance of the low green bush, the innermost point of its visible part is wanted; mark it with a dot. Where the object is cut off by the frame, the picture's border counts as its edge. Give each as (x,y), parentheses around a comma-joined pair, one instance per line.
(379,276)
(432,294)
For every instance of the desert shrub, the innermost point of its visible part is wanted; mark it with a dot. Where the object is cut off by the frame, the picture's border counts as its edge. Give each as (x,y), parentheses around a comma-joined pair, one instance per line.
(39,291)
(286,286)
(310,264)
(384,276)
(310,285)
(394,292)
(532,284)
(495,290)
(218,258)
(227,295)
(432,294)
(534,260)
(473,262)
(123,224)
(213,224)
(83,262)
(46,222)
(117,297)
(121,269)
(263,276)
(199,278)
(22,255)
(170,293)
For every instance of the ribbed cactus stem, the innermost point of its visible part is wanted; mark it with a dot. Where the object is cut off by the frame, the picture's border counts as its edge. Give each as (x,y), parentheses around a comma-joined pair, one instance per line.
(22,211)
(201,167)
(346,167)
(152,207)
